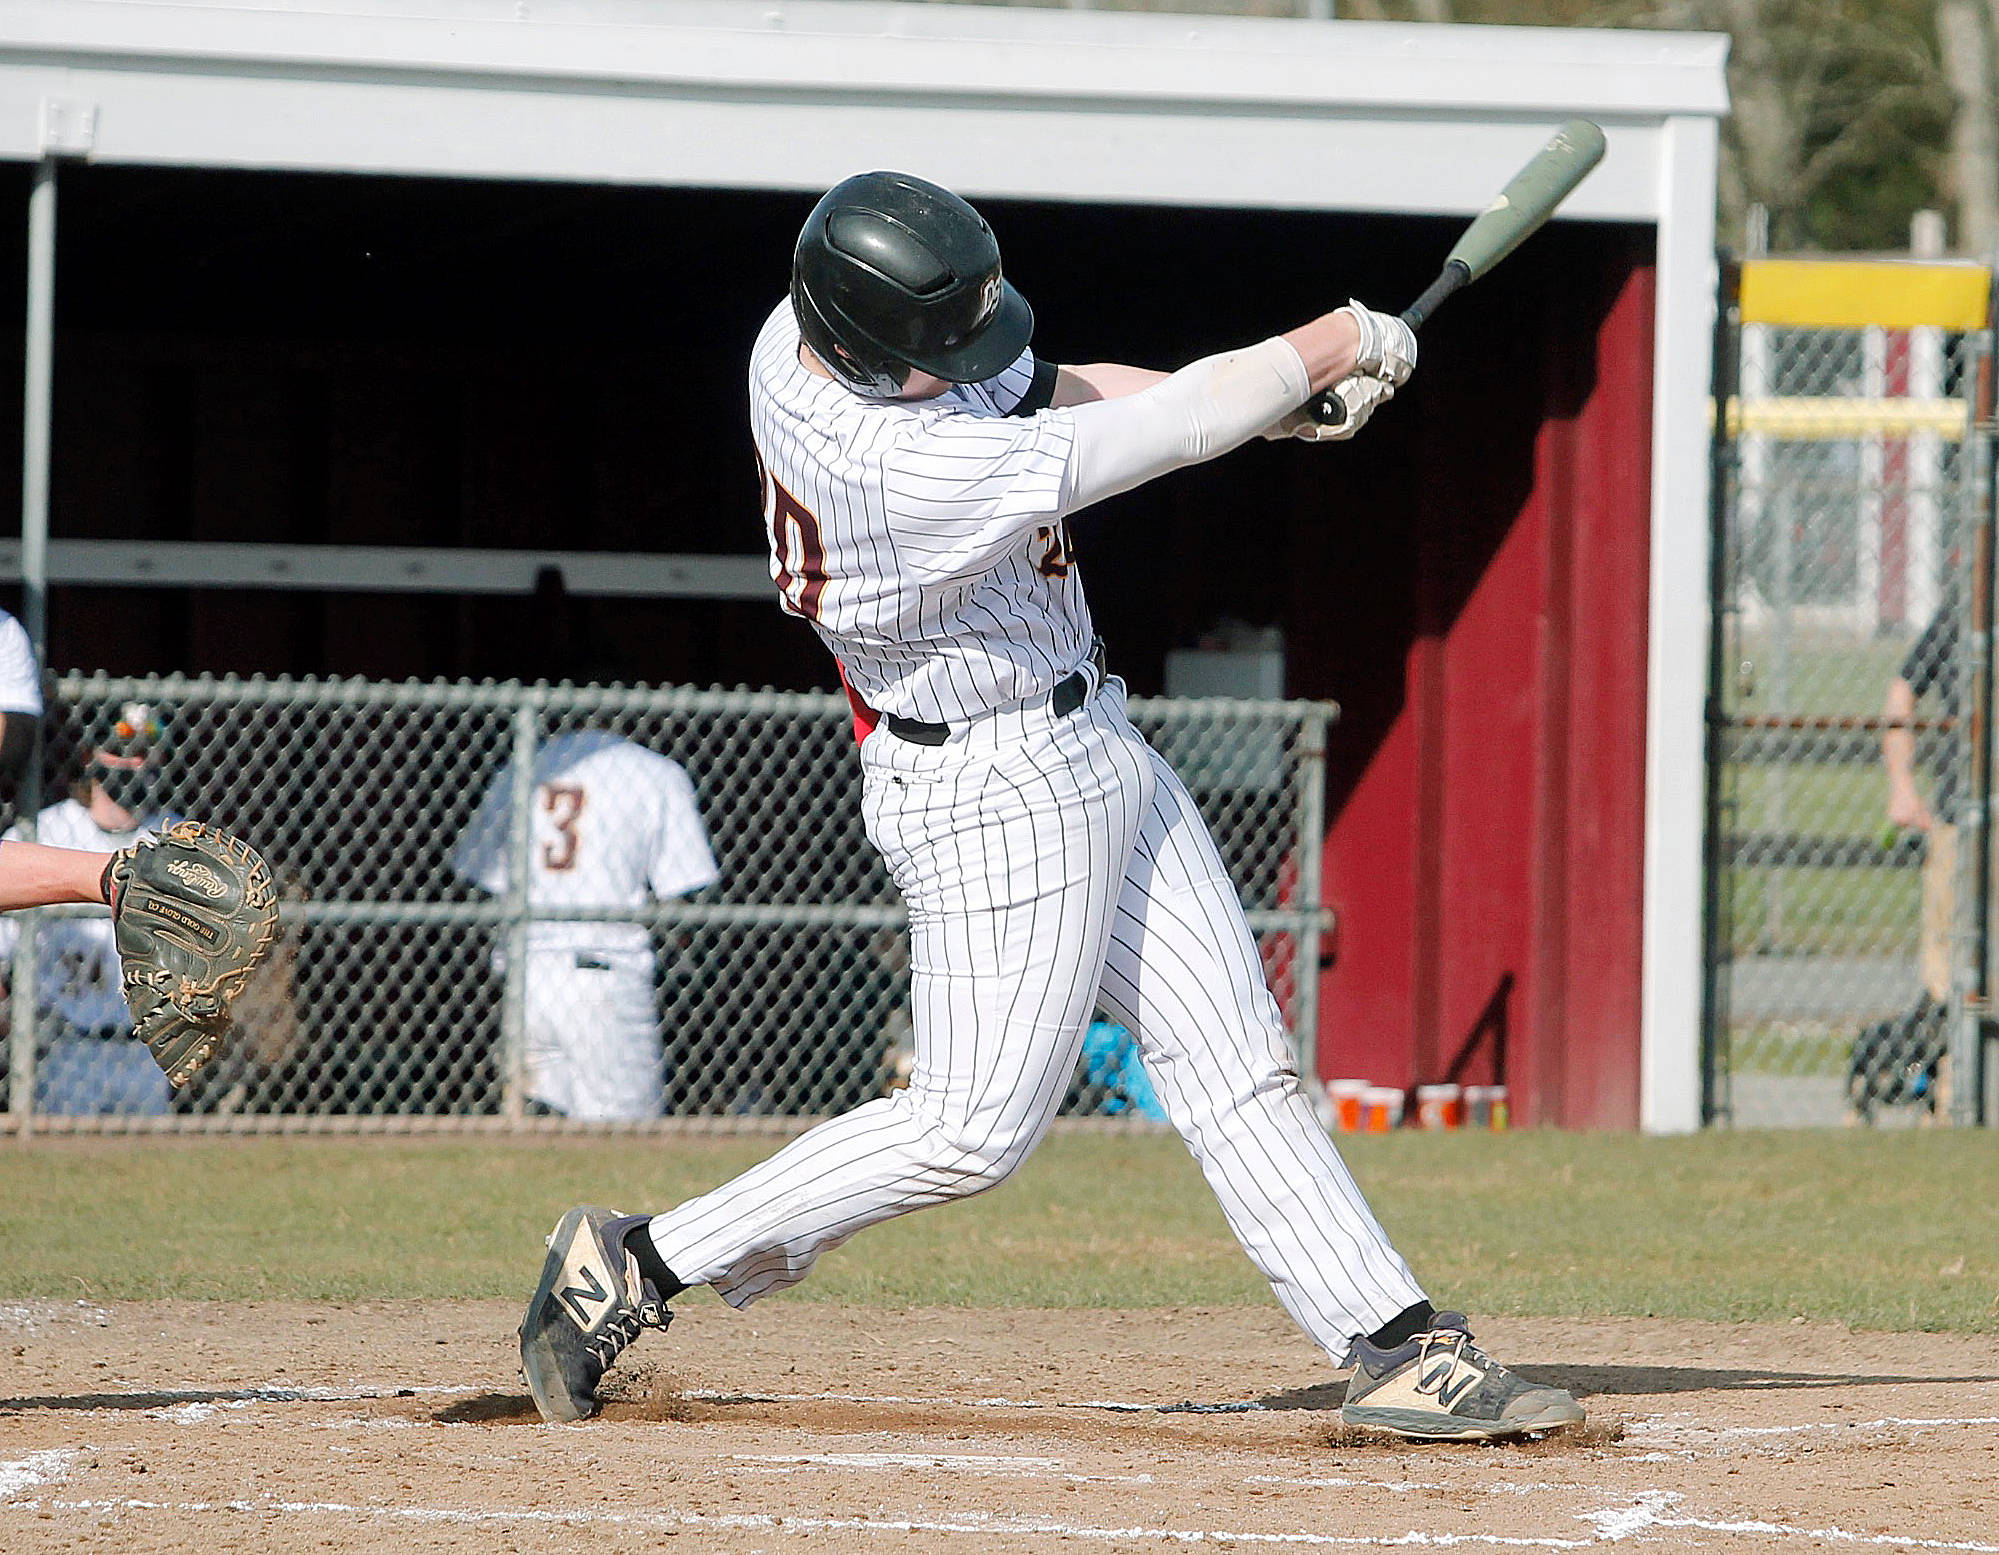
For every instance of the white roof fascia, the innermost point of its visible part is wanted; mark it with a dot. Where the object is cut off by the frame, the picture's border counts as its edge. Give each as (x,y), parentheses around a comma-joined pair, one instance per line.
(794,94)
(929,49)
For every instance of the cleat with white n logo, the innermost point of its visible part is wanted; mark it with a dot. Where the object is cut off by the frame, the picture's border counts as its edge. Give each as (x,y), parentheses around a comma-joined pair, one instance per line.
(590,1304)
(1440,1386)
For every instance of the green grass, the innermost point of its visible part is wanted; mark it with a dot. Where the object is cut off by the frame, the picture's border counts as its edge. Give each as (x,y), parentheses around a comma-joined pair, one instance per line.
(1843,801)
(1827,912)
(1791,1047)
(1830,671)
(1895,1230)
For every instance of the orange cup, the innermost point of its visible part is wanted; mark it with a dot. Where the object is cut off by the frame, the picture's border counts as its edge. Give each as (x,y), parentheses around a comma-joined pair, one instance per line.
(1345,1096)
(1440,1106)
(1380,1109)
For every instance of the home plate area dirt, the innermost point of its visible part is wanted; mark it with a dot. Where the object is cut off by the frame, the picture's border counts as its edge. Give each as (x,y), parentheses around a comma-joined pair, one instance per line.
(403,1426)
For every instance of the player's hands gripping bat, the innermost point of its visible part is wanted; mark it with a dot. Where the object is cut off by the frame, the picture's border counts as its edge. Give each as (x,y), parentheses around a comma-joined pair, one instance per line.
(1360,395)
(1519,211)
(192,914)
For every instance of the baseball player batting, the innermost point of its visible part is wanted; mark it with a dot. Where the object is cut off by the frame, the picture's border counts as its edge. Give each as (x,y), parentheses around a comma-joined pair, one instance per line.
(921,469)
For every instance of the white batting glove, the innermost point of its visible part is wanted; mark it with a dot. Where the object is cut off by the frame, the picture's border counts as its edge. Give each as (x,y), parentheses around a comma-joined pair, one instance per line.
(1359,395)
(1387,345)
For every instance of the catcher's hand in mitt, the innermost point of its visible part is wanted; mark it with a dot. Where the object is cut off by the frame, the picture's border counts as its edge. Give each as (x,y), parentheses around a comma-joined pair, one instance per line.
(193,913)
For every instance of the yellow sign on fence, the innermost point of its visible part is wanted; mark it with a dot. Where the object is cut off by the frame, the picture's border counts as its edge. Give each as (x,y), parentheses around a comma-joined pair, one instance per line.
(1856,293)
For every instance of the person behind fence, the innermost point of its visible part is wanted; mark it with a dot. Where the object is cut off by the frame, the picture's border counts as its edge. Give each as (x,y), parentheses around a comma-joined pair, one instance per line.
(90,1063)
(20,705)
(613,824)
(1902,1059)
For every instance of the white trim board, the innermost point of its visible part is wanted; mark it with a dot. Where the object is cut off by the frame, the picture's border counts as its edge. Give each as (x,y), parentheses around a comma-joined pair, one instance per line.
(392,569)
(795,94)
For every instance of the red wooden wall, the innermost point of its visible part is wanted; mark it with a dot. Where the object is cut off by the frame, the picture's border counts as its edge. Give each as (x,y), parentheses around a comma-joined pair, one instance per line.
(369,361)
(1486,816)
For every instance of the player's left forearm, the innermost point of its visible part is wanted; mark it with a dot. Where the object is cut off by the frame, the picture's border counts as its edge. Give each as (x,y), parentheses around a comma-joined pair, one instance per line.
(32,875)
(1329,347)
(1092,381)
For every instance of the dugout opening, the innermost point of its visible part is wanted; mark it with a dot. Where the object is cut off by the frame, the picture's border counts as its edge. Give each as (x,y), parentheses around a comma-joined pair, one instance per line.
(363,361)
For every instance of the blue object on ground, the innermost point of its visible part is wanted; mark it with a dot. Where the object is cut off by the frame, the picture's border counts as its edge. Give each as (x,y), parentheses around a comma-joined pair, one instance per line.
(1110,1059)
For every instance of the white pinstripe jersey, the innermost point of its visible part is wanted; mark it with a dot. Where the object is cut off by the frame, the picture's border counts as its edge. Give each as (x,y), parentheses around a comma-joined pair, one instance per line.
(923,539)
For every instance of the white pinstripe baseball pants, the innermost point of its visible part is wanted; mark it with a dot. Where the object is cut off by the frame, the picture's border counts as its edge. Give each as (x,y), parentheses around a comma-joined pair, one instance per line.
(1052,865)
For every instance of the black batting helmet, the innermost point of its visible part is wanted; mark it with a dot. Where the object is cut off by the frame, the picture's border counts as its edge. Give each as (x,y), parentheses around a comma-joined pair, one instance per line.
(893,273)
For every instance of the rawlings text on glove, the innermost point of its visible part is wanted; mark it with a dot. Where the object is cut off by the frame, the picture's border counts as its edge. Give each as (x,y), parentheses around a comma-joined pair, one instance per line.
(193,913)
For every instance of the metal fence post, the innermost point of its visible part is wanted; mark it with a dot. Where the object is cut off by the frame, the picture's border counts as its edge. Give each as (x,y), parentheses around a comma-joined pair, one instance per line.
(1968,1103)
(520,837)
(37,392)
(1311,884)
(1717,923)
(24,1035)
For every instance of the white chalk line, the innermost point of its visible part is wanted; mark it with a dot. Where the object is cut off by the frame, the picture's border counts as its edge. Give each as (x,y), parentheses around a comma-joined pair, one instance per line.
(982,1525)
(987,1465)
(1669,1428)
(31,1317)
(49,1467)
(1651,1512)
(1404,1487)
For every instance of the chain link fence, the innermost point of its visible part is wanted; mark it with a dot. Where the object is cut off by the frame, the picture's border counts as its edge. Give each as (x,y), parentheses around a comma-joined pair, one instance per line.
(481,883)
(1843,899)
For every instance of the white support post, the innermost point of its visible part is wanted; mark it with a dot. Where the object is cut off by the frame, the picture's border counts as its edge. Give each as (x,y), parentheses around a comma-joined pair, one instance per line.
(37,394)
(1669,1062)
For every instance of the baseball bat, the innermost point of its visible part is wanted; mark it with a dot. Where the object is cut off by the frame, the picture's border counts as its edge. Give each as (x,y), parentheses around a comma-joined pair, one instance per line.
(1549,178)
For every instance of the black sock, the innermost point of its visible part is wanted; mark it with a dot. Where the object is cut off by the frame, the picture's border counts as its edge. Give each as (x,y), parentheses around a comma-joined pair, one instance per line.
(638,1242)
(1404,1326)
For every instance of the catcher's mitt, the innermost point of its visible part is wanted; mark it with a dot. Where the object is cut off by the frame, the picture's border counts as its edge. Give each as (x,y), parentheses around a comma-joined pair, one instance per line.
(193,913)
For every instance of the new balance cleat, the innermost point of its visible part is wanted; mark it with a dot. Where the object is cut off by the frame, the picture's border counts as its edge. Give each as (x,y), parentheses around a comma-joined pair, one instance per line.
(1440,1386)
(590,1304)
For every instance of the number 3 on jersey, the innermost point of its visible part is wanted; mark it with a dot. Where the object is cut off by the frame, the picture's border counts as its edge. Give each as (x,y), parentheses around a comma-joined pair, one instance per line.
(796,544)
(564,804)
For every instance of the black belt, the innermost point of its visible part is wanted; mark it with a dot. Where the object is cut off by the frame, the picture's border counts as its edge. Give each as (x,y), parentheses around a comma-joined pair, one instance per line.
(1070,693)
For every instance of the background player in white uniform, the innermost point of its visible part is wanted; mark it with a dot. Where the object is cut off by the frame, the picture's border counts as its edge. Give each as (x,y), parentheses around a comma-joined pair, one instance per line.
(612,822)
(90,1062)
(920,466)
(20,696)
(32,875)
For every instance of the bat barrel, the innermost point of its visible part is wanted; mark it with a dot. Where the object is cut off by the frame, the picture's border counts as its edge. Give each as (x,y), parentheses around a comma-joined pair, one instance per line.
(1530,199)
(1519,211)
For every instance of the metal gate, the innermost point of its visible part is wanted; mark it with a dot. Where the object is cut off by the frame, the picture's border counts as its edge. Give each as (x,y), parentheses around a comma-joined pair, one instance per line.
(1847,873)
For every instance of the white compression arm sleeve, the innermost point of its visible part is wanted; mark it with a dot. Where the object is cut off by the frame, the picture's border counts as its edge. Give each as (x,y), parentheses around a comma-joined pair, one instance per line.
(1200,412)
